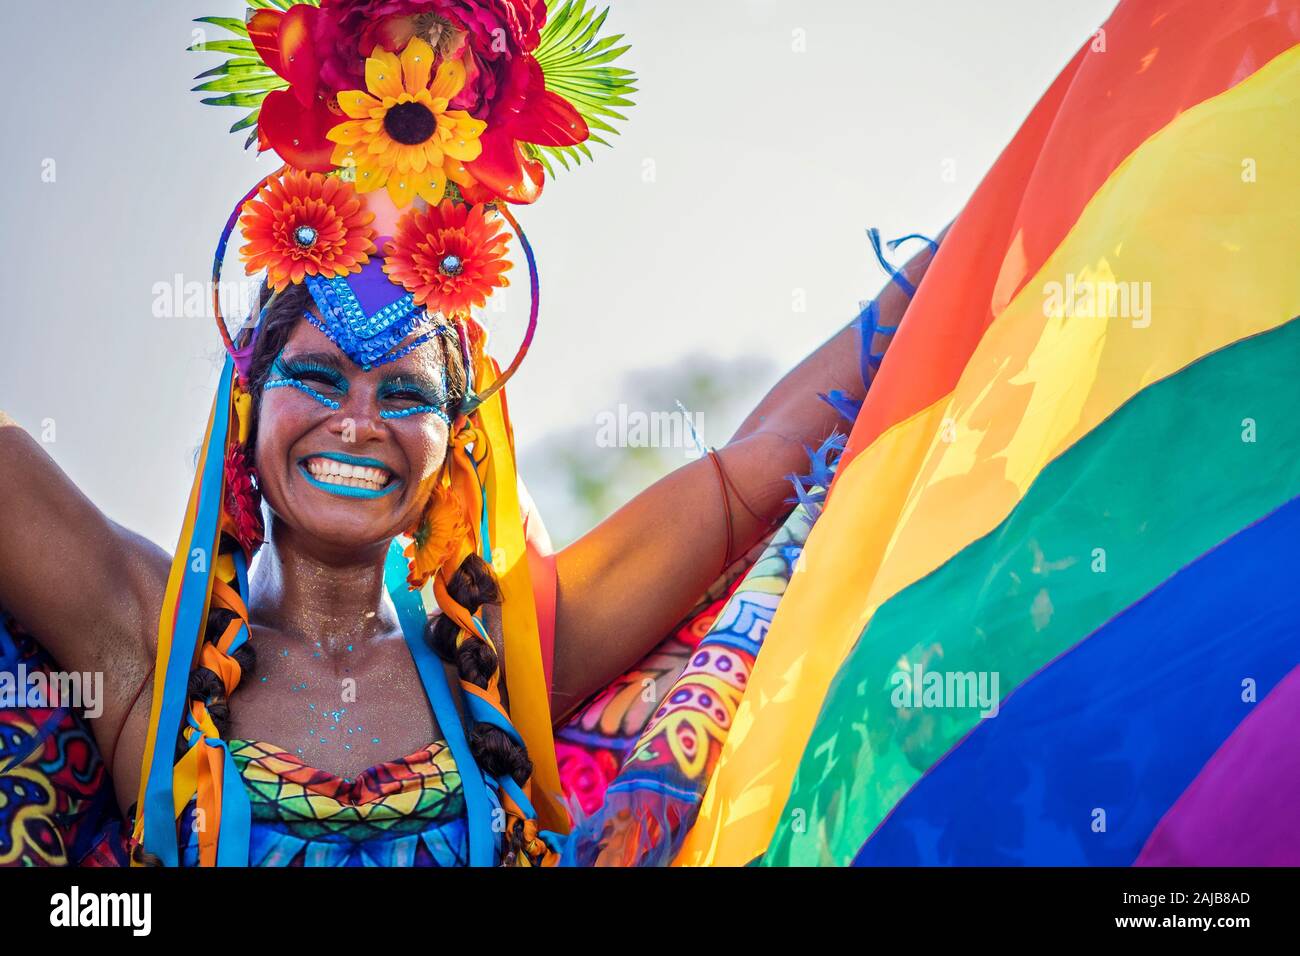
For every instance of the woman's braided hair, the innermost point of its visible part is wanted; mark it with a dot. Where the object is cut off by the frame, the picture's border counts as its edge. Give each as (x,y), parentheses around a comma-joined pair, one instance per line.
(473,585)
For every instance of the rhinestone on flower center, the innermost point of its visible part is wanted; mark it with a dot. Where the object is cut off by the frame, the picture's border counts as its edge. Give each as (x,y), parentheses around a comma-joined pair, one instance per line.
(450,265)
(305,236)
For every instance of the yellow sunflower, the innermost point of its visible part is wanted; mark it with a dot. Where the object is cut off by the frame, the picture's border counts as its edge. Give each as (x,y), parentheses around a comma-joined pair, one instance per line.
(401,134)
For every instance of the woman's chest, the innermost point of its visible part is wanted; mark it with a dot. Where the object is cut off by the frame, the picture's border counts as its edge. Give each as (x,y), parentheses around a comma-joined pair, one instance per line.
(341,711)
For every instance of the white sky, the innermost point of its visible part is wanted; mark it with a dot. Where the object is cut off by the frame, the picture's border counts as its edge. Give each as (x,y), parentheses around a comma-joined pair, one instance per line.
(768,163)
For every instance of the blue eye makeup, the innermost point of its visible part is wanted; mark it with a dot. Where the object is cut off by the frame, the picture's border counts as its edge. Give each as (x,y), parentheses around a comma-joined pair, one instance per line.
(414,395)
(305,374)
(401,395)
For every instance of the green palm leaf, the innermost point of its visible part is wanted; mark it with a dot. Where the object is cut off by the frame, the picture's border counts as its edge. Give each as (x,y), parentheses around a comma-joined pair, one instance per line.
(574,60)
(246,122)
(237,66)
(244,100)
(261,83)
(242,48)
(243,77)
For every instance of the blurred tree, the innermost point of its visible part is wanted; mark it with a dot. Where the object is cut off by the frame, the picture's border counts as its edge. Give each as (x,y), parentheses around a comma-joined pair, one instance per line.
(580,475)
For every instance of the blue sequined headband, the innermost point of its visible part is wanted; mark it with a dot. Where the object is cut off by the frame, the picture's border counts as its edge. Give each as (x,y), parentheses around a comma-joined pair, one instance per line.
(368,316)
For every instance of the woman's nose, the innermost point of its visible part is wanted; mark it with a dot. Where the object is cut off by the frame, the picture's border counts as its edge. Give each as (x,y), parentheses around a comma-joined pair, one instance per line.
(358,418)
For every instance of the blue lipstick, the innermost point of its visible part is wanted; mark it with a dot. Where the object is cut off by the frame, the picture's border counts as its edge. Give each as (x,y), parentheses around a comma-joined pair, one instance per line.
(348,491)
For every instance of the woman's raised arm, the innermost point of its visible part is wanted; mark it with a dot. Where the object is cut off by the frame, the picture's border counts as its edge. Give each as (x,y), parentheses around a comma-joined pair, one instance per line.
(623,585)
(88,589)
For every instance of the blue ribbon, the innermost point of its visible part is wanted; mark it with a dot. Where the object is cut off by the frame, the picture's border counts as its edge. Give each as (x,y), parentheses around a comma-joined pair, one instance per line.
(159,835)
(236,813)
(484,713)
(868,319)
(241,585)
(414,621)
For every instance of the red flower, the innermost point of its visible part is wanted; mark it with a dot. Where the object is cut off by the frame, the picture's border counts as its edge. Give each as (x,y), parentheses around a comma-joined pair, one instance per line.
(449,257)
(482,32)
(524,111)
(293,122)
(243,504)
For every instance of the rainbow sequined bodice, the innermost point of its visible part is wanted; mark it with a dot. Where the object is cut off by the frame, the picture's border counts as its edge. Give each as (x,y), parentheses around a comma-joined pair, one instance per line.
(407,812)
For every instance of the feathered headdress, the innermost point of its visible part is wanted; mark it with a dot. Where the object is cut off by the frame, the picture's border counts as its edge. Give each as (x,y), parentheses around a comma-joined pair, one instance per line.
(405,128)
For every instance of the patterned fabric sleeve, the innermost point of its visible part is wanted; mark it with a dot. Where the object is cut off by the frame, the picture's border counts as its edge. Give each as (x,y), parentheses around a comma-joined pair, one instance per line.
(57,805)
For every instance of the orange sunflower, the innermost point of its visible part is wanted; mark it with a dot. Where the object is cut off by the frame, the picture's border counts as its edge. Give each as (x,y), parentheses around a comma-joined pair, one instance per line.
(306,224)
(400,133)
(449,257)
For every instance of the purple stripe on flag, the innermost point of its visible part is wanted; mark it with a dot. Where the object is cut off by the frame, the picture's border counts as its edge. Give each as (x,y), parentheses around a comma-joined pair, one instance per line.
(1243,808)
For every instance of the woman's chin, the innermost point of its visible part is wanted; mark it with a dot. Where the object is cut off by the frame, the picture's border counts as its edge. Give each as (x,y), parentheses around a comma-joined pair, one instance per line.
(342,522)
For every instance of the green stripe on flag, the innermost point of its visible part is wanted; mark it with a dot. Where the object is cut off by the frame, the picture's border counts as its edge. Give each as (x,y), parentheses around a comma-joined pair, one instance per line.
(1186,463)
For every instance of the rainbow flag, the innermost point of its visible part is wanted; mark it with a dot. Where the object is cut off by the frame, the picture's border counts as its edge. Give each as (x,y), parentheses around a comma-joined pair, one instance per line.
(1050,614)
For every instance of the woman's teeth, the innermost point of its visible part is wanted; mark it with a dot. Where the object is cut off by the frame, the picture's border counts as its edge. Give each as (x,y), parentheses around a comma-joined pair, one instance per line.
(333,472)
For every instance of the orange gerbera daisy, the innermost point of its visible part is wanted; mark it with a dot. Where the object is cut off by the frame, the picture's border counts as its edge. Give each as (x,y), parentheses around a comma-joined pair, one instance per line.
(436,536)
(449,257)
(401,134)
(306,224)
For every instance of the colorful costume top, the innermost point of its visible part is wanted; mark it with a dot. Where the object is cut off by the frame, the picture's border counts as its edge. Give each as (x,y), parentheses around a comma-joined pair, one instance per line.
(405,812)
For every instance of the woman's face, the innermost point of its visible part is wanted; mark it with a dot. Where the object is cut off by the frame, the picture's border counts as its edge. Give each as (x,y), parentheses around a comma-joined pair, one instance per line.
(346,456)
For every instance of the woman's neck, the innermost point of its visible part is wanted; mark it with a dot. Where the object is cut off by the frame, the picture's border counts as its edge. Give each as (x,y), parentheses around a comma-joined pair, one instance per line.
(316,595)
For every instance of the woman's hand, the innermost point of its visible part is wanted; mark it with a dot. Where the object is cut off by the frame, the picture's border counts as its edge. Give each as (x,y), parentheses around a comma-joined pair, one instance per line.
(625,584)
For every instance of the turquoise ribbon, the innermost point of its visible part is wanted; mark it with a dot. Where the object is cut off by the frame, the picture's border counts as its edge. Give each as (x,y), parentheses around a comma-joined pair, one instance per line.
(236,813)
(484,713)
(414,621)
(241,585)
